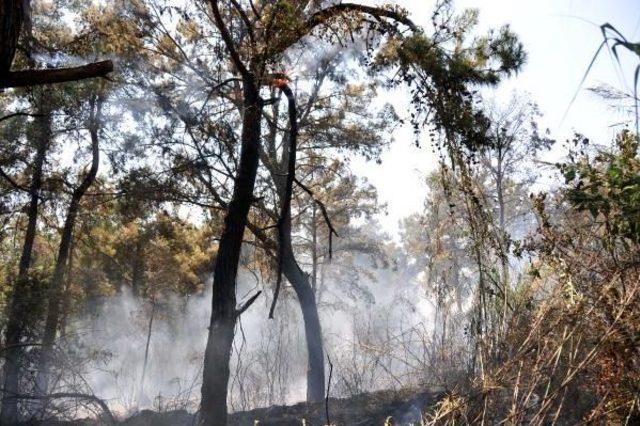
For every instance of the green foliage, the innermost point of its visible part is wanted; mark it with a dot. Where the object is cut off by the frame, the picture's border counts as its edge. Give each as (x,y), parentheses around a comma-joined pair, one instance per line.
(444,69)
(608,186)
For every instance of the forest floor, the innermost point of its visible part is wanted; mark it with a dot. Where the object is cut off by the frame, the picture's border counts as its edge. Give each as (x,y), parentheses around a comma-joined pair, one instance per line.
(405,407)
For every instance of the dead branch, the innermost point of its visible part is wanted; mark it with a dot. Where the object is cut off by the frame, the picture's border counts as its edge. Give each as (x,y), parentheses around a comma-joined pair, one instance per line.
(325,214)
(62,395)
(248,304)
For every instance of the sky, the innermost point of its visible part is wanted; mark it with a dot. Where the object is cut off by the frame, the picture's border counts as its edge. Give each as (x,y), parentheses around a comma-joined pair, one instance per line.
(561,38)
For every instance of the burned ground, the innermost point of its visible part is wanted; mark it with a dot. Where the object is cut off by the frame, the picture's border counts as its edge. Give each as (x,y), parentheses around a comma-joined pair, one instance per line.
(404,407)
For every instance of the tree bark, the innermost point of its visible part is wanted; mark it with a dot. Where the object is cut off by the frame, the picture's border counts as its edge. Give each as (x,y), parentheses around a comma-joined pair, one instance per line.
(11,15)
(213,409)
(22,297)
(312,329)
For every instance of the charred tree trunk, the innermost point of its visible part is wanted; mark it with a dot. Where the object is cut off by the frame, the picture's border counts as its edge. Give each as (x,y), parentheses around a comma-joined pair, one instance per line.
(306,297)
(56,288)
(224,314)
(287,264)
(22,297)
(312,329)
(11,15)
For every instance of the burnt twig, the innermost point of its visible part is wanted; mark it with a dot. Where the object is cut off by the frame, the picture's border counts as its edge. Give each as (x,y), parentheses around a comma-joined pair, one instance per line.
(325,214)
(326,400)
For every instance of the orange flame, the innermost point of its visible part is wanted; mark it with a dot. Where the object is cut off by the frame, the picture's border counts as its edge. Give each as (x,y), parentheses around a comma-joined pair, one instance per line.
(280,80)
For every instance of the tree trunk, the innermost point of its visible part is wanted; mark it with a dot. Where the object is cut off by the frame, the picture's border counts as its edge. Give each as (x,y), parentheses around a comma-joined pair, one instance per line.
(213,409)
(11,14)
(56,288)
(314,249)
(313,331)
(20,306)
(307,300)
(138,267)
(504,240)
(305,291)
(146,350)
(66,302)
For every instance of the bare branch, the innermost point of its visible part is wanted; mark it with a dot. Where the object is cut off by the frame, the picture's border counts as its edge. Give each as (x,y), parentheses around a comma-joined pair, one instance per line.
(216,88)
(326,401)
(248,304)
(325,214)
(19,345)
(12,182)
(57,75)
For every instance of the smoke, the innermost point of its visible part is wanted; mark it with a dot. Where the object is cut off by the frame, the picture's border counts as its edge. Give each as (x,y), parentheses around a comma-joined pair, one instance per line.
(363,338)
(114,341)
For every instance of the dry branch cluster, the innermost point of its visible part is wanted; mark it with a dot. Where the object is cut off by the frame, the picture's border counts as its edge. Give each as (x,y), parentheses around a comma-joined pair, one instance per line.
(571,351)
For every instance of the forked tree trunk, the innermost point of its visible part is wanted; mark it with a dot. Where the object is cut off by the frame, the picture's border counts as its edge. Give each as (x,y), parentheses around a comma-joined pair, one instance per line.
(213,409)
(22,297)
(308,305)
(283,178)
